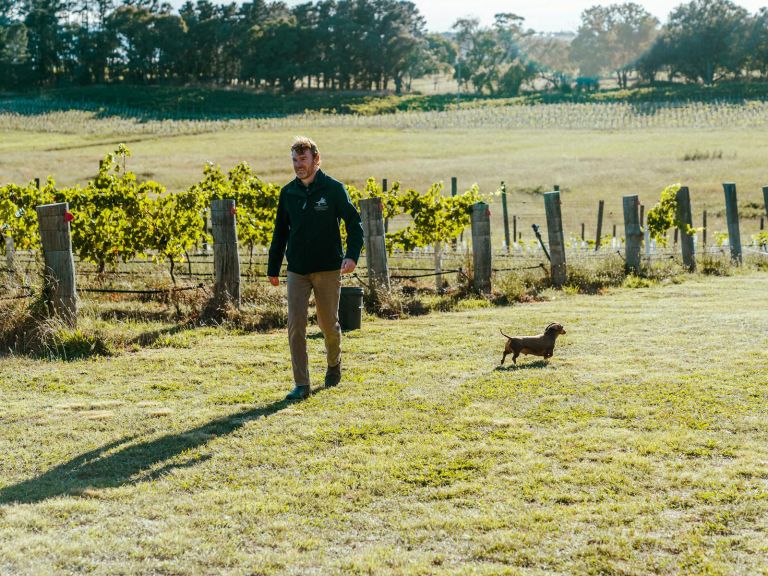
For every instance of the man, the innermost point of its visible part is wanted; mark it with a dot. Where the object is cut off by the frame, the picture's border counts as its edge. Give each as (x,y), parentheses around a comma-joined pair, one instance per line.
(308,215)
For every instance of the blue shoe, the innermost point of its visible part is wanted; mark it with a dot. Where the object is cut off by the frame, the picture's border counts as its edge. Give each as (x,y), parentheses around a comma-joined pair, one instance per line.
(298,393)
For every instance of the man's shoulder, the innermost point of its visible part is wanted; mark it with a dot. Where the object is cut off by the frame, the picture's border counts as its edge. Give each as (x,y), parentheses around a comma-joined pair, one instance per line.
(290,188)
(331,182)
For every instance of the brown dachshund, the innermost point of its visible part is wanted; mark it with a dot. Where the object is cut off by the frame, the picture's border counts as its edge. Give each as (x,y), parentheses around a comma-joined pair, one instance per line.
(541,345)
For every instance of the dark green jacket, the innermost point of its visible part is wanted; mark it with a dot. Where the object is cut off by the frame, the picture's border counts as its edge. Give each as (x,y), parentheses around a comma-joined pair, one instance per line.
(307,223)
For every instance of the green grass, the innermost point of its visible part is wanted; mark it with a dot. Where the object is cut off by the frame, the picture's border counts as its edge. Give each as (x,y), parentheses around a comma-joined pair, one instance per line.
(640,448)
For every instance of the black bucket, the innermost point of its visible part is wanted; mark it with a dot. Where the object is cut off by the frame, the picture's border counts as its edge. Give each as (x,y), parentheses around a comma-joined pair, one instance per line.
(351,307)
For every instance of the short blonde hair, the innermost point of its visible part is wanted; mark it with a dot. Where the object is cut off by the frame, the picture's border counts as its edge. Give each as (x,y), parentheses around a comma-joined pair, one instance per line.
(302,143)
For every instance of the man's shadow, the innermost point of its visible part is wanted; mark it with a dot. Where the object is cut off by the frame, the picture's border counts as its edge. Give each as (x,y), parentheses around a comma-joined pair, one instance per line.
(98,469)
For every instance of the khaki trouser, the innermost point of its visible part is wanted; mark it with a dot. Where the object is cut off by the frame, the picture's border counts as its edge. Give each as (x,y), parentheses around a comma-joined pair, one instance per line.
(327,288)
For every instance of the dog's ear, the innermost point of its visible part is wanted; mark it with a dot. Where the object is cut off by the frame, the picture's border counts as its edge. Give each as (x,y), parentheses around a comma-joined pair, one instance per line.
(550,326)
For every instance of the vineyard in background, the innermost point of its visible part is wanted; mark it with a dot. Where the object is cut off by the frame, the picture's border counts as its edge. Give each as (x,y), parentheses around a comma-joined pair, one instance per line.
(133,235)
(27,114)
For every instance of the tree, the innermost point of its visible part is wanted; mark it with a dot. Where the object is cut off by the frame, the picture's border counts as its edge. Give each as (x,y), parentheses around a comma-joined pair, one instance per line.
(435,56)
(402,32)
(551,56)
(758,43)
(707,39)
(137,36)
(13,43)
(45,39)
(95,41)
(612,38)
(491,58)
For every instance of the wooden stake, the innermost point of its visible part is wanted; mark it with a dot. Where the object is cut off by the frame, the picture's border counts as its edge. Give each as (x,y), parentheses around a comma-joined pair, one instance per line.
(226,257)
(684,216)
(481,247)
(632,233)
(556,240)
(371,213)
(732,215)
(600,210)
(59,278)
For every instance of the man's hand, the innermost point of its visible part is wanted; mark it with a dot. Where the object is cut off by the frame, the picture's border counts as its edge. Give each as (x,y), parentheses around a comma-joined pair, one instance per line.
(274,280)
(348,266)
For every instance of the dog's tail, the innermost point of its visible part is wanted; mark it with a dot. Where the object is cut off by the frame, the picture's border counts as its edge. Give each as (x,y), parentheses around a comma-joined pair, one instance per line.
(505,336)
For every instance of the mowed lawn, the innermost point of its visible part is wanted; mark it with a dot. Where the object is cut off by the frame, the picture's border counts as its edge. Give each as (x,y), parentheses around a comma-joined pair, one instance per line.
(640,448)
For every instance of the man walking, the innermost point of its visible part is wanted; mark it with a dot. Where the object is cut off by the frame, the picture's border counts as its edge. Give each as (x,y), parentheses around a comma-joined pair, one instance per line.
(309,212)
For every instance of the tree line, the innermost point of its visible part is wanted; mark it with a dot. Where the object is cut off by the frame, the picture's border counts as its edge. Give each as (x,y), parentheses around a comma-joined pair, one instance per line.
(367,45)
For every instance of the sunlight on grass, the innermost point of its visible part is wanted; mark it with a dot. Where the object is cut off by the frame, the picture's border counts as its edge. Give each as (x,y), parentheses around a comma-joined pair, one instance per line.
(639,448)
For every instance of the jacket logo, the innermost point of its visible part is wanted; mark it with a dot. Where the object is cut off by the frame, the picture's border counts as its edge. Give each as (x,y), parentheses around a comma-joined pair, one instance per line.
(321,205)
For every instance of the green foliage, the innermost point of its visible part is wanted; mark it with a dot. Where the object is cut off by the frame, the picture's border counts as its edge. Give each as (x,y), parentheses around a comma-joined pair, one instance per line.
(115,217)
(111,213)
(663,215)
(176,225)
(720,238)
(18,218)
(436,217)
(255,200)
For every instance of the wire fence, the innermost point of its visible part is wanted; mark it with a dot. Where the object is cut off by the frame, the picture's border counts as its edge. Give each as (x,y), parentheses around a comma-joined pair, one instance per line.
(403,266)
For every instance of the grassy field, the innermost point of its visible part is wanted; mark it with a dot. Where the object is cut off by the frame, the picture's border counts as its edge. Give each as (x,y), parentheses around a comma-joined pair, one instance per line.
(589,165)
(640,448)
(598,146)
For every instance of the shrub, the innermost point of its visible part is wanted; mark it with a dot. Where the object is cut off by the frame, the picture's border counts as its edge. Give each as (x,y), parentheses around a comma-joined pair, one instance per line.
(26,329)
(520,286)
(715,265)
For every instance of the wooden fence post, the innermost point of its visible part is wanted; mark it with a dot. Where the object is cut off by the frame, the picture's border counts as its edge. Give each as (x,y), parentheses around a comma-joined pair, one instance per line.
(225,254)
(765,199)
(206,227)
(732,214)
(556,240)
(514,228)
(600,210)
(438,267)
(59,285)
(454,192)
(685,217)
(384,190)
(632,233)
(9,253)
(505,213)
(704,226)
(481,247)
(375,245)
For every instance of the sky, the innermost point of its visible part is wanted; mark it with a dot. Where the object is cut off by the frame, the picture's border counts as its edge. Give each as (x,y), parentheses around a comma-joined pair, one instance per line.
(542,16)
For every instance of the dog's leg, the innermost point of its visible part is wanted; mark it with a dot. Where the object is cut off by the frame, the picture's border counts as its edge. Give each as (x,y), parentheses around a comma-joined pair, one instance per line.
(514,358)
(503,358)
